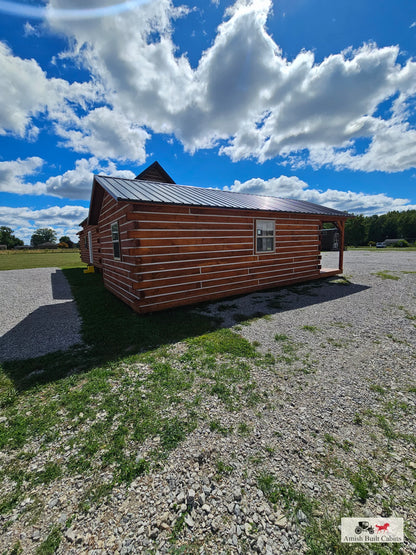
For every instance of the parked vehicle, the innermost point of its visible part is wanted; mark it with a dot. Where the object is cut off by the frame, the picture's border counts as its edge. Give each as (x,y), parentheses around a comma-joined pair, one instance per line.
(381,245)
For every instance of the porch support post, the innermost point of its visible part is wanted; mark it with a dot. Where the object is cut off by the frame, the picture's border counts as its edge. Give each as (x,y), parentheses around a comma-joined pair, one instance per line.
(341,227)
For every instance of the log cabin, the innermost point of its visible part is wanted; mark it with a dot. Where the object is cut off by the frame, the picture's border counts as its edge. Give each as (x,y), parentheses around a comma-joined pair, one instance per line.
(160,245)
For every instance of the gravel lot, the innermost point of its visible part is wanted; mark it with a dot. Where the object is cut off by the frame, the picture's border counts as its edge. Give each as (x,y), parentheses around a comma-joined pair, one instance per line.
(37,313)
(334,412)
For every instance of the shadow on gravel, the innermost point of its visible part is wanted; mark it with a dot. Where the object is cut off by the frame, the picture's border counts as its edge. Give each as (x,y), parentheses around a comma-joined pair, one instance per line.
(47,329)
(111,331)
(283,299)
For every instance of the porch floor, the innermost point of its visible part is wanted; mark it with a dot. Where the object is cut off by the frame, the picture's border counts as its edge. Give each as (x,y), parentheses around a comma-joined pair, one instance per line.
(326,272)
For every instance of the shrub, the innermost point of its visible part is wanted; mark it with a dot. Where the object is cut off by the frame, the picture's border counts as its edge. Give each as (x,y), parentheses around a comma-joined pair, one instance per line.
(401,243)
(371,243)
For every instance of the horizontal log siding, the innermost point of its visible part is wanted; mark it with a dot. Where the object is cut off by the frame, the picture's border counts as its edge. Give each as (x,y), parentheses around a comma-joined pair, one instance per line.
(186,255)
(119,276)
(85,253)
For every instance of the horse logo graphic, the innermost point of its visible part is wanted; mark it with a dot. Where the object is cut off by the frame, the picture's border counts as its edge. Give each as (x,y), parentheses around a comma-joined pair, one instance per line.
(382,528)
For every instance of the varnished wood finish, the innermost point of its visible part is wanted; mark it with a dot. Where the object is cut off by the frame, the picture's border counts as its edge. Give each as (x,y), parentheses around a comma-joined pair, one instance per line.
(176,255)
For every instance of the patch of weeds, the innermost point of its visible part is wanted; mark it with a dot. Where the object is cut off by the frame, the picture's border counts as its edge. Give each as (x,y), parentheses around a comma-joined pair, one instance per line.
(384,274)
(386,427)
(131,469)
(10,500)
(395,339)
(270,450)
(334,342)
(224,342)
(342,325)
(312,329)
(291,499)
(178,526)
(254,398)
(215,426)
(244,429)
(256,343)
(320,532)
(340,280)
(175,431)
(358,421)
(255,459)
(51,472)
(365,482)
(16,549)
(345,445)
(51,543)
(308,366)
(377,388)
(223,469)
(221,391)
(281,337)
(94,494)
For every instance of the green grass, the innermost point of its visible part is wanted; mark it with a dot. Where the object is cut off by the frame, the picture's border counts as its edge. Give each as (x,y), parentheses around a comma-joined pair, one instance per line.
(312,329)
(384,274)
(123,387)
(21,260)
(374,249)
(51,543)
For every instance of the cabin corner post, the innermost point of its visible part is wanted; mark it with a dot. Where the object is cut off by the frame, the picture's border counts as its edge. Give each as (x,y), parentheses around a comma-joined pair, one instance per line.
(341,227)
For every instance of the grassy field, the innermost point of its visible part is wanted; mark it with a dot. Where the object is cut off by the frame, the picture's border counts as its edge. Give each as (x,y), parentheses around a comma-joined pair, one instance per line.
(21,260)
(375,249)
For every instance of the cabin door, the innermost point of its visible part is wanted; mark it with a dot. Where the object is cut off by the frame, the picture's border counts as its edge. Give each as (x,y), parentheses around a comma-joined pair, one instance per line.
(90,247)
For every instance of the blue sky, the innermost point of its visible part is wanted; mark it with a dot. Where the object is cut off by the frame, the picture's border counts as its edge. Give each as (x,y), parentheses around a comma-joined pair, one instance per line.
(291,98)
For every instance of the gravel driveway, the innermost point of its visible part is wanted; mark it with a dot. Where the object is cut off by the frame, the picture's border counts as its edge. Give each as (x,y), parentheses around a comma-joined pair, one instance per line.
(37,313)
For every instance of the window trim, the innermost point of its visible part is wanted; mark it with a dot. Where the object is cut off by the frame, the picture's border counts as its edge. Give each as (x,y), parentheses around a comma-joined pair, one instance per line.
(257,236)
(116,241)
(90,249)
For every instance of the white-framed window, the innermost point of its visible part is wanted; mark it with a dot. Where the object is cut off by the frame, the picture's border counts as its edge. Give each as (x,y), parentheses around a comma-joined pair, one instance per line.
(265,235)
(115,237)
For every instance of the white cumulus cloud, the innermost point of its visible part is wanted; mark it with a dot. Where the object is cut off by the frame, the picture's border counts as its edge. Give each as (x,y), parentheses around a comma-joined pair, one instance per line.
(347,201)
(16,176)
(24,221)
(243,94)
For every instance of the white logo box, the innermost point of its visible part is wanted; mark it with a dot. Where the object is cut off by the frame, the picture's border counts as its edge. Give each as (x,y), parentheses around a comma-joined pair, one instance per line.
(372,530)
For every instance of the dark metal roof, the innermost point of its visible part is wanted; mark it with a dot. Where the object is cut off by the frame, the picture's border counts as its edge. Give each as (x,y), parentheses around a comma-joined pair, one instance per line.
(136,190)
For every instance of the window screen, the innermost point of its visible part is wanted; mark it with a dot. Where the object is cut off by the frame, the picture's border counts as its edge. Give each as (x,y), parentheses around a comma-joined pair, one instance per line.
(265,232)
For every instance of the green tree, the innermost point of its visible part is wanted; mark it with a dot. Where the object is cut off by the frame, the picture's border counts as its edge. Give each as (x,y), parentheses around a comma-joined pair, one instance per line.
(43,235)
(67,240)
(355,231)
(7,238)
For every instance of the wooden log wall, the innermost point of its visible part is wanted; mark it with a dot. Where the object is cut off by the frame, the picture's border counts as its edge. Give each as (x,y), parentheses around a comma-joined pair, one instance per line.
(84,245)
(182,255)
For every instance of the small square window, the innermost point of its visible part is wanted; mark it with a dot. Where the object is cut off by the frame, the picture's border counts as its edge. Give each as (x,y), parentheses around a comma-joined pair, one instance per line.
(115,237)
(265,235)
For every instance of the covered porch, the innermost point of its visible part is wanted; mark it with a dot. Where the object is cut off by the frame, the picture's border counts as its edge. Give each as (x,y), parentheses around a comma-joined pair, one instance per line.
(339,244)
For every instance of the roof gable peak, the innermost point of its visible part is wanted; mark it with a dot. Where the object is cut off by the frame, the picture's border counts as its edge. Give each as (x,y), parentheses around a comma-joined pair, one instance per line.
(155,172)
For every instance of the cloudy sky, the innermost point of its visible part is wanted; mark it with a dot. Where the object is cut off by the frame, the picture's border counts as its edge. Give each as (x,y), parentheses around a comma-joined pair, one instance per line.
(291,98)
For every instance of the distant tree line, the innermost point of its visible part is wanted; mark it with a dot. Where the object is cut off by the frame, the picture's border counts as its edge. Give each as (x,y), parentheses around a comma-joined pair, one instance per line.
(362,230)
(7,238)
(42,237)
